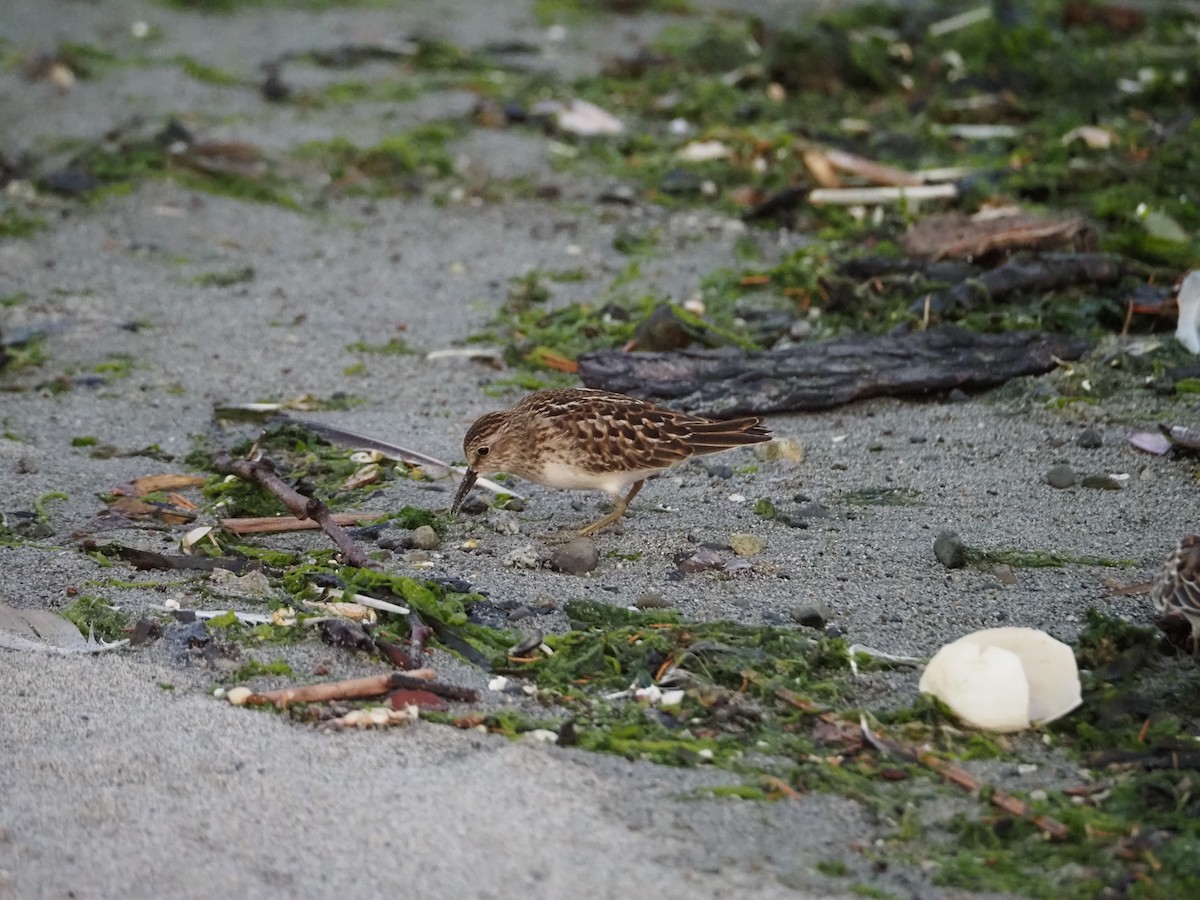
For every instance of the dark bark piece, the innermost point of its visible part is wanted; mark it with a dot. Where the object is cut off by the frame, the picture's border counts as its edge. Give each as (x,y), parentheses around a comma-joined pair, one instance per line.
(725,383)
(149,560)
(1049,271)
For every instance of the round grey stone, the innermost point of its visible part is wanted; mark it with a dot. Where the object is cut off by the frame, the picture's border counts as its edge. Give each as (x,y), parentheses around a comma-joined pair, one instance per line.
(577,557)
(811,615)
(1061,476)
(950,550)
(1090,438)
(425,538)
(652,600)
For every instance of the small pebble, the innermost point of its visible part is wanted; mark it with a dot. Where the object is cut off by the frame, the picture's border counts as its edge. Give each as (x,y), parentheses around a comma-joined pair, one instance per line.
(395,542)
(1061,476)
(1005,574)
(253,585)
(474,506)
(785,449)
(811,615)
(652,600)
(1101,483)
(1090,438)
(812,511)
(523,557)
(950,550)
(747,544)
(516,504)
(425,538)
(577,557)
(502,521)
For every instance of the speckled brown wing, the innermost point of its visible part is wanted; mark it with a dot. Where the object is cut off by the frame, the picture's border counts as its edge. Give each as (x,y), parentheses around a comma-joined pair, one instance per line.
(1178,587)
(627,433)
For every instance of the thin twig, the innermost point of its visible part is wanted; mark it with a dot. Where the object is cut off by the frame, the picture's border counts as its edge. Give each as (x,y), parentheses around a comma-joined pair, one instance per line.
(960,777)
(262,472)
(273,524)
(351,689)
(363,689)
(874,196)
(877,173)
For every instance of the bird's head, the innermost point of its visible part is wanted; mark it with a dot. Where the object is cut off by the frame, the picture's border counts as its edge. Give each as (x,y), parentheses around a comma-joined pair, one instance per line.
(490,446)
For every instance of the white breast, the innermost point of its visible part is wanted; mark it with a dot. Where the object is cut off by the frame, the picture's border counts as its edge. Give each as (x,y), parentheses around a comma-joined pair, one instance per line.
(573,478)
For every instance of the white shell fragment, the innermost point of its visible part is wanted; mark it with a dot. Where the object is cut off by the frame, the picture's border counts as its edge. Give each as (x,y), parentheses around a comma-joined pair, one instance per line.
(580,117)
(195,536)
(1093,136)
(1005,679)
(1187,331)
(238,695)
(703,151)
(337,596)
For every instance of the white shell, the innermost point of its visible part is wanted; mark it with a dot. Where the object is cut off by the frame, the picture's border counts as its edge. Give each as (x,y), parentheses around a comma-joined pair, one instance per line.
(1187,330)
(1005,679)
(193,537)
(238,695)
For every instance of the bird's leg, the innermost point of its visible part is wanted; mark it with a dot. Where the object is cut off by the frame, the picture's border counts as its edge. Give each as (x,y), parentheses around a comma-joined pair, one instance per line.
(622,504)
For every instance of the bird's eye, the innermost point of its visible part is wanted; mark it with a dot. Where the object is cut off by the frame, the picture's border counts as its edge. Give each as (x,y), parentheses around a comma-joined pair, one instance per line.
(482,451)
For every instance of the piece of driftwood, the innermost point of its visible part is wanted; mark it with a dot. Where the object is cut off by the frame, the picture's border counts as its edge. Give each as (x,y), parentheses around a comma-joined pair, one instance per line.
(1144,759)
(363,689)
(261,471)
(955,235)
(148,560)
(1047,272)
(726,382)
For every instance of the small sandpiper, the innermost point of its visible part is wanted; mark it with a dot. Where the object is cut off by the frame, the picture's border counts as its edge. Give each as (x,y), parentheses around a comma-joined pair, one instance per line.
(589,440)
(1177,590)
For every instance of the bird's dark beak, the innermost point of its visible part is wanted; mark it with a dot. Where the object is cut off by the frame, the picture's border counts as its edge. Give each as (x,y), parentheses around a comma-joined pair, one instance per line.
(467,483)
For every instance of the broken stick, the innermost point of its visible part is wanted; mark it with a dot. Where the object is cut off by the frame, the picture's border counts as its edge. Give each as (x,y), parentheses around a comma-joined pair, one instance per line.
(960,777)
(363,689)
(262,472)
